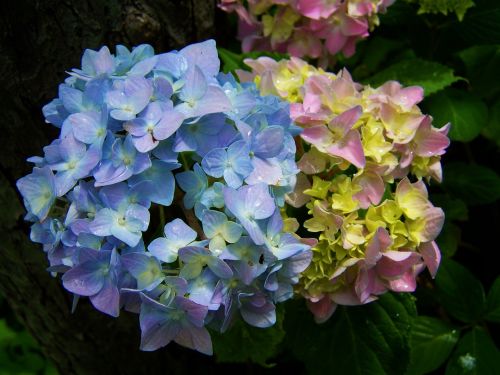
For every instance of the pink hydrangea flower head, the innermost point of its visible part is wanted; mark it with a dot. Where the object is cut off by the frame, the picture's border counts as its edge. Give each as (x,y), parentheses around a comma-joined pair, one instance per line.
(305,28)
(376,227)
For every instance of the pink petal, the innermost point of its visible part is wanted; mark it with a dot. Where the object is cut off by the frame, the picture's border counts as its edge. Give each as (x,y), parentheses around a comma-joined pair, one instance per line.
(432,256)
(412,122)
(445,129)
(350,46)
(406,155)
(343,86)
(317,135)
(394,265)
(349,148)
(372,191)
(346,120)
(398,256)
(262,64)
(335,41)
(297,198)
(316,9)
(430,141)
(245,76)
(378,243)
(435,171)
(309,241)
(311,164)
(312,102)
(267,84)
(434,223)
(364,284)
(409,96)
(406,283)
(303,43)
(322,310)
(361,9)
(354,26)
(346,296)
(405,186)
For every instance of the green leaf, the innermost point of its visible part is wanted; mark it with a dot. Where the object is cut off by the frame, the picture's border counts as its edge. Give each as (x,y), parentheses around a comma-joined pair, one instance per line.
(431,342)
(481,24)
(448,239)
(374,54)
(399,13)
(492,130)
(459,7)
(474,184)
(459,292)
(454,208)
(232,61)
(431,75)
(243,343)
(482,64)
(19,353)
(371,339)
(493,302)
(467,113)
(476,354)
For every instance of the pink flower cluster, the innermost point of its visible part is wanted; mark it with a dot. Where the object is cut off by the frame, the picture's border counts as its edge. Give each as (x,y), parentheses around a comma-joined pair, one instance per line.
(313,28)
(375,228)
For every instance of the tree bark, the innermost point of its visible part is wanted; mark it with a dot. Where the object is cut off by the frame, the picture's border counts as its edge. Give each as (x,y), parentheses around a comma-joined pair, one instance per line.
(39,40)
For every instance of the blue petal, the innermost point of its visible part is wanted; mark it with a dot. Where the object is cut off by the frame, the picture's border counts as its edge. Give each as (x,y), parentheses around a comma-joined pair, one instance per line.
(71,98)
(160,181)
(262,318)
(196,338)
(214,162)
(161,249)
(87,126)
(232,179)
(195,86)
(173,63)
(212,222)
(269,142)
(39,191)
(219,267)
(204,55)
(179,232)
(85,279)
(108,299)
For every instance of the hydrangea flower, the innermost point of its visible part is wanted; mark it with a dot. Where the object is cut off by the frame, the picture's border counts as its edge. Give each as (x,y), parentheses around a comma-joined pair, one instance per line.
(177,235)
(250,204)
(376,229)
(112,181)
(182,321)
(96,276)
(312,28)
(234,164)
(39,192)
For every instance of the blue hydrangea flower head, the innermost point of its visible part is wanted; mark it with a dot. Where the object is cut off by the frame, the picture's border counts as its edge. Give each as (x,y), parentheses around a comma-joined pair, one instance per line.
(161,193)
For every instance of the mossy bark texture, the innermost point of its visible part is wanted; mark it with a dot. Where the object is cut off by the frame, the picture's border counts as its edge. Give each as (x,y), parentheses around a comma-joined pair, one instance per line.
(39,41)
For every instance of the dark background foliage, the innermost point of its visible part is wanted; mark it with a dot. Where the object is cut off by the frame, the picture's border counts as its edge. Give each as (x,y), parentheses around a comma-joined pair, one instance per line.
(450,325)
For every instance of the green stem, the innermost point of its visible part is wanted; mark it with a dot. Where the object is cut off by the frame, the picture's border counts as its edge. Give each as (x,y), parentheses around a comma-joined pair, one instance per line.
(185,162)
(162,216)
(171,272)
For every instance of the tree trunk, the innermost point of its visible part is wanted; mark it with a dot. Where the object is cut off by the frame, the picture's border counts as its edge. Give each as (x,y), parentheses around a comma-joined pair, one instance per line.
(39,41)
